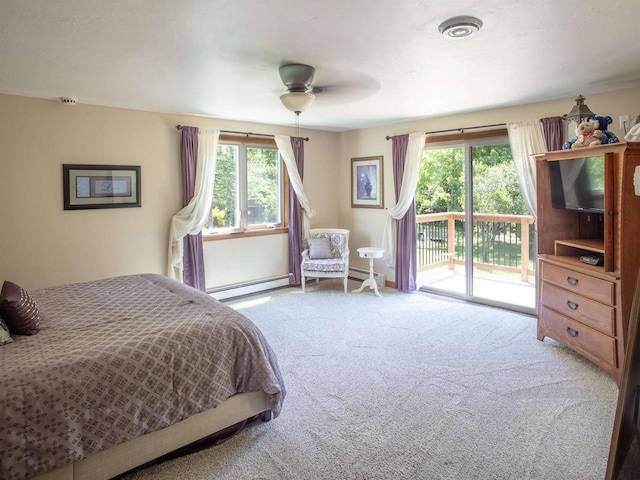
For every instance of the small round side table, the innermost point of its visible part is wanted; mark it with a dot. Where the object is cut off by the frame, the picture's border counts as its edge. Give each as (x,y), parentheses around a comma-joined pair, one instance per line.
(370,253)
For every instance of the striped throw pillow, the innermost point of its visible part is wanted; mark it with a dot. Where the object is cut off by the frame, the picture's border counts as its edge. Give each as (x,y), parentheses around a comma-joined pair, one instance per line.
(18,310)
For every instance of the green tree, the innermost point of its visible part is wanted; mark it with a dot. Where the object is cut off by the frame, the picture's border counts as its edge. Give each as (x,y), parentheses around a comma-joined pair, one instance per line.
(225,188)
(441,181)
(262,185)
(495,183)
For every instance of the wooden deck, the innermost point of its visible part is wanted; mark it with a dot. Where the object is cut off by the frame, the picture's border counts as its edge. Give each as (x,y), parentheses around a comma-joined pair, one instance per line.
(494,288)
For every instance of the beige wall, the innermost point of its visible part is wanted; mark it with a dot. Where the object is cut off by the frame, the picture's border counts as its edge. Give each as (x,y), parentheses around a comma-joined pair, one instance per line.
(367,225)
(44,245)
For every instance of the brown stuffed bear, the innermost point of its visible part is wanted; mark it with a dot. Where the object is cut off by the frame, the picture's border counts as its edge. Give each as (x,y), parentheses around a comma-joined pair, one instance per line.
(588,135)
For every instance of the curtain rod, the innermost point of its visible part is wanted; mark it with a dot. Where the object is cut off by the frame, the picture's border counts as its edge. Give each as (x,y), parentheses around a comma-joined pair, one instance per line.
(461,130)
(247,134)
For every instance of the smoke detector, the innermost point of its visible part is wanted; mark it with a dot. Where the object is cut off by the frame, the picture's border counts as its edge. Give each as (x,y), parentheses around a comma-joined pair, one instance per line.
(68,100)
(460,27)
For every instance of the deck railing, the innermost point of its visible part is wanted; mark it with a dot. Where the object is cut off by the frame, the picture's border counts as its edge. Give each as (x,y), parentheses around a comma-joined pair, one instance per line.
(500,242)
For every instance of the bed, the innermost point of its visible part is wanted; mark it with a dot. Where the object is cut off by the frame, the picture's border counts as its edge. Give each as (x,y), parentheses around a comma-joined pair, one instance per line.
(125,370)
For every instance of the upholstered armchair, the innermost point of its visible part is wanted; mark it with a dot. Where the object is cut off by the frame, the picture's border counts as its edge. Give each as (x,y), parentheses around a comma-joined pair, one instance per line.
(325,255)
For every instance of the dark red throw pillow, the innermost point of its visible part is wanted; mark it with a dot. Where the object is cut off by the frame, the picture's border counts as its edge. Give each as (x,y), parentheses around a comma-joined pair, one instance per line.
(18,310)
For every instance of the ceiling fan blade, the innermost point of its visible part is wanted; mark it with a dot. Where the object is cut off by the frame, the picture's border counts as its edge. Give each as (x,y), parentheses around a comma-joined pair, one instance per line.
(332,87)
(350,87)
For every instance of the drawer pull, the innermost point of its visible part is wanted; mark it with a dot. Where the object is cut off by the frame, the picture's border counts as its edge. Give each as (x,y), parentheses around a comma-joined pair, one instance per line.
(572,281)
(572,305)
(572,331)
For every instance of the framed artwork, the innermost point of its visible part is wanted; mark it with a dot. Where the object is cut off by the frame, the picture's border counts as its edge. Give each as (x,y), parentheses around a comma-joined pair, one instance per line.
(366,182)
(100,186)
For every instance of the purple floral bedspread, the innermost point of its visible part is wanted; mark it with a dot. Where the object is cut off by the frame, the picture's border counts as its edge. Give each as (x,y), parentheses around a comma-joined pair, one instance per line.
(116,359)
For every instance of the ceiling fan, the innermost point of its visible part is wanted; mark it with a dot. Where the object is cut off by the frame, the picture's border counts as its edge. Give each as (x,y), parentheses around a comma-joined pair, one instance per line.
(298,77)
(344,86)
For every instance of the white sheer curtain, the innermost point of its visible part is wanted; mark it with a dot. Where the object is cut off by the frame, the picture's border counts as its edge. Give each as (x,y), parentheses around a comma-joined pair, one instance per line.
(634,134)
(407,194)
(526,138)
(192,218)
(286,150)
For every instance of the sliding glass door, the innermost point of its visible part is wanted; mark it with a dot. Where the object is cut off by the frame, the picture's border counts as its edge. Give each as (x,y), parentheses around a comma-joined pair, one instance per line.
(501,229)
(475,235)
(440,218)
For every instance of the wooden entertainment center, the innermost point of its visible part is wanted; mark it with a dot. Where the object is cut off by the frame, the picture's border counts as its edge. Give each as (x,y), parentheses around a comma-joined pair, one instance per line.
(587,307)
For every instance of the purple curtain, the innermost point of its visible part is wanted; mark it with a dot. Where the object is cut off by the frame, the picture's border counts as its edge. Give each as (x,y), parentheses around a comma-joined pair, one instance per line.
(193,259)
(406,248)
(295,217)
(553,127)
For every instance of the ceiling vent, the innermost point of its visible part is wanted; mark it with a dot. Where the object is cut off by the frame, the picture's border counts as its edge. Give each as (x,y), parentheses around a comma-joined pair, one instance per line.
(460,27)
(68,100)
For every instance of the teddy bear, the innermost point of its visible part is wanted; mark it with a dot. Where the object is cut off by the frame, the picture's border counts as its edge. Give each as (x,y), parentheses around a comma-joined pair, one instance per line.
(603,123)
(587,135)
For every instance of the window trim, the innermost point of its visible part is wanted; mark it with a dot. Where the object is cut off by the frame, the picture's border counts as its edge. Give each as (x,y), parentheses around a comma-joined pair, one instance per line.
(435,140)
(210,237)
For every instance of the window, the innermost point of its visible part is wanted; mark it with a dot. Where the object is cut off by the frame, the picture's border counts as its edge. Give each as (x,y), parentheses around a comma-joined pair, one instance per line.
(248,189)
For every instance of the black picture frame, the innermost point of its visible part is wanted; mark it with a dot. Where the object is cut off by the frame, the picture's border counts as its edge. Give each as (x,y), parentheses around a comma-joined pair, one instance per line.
(101,186)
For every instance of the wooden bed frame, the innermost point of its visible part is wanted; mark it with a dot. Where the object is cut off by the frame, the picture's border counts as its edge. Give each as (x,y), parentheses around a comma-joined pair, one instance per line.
(139,451)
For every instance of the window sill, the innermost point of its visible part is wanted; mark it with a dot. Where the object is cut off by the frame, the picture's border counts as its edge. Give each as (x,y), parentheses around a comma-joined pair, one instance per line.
(248,233)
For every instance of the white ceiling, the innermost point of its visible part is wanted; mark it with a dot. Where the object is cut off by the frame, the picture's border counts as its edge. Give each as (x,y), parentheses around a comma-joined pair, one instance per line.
(380,61)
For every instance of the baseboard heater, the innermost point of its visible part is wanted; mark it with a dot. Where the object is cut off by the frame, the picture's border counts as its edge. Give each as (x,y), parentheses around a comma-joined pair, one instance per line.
(246,288)
(364,274)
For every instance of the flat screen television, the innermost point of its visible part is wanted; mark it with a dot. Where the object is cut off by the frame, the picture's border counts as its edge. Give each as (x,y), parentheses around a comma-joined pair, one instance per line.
(578,184)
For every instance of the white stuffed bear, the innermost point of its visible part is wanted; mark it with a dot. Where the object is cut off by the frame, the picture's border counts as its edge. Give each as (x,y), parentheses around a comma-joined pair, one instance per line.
(588,135)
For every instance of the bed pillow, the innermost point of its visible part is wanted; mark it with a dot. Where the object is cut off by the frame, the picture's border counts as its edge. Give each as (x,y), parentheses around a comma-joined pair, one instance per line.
(5,336)
(319,247)
(18,310)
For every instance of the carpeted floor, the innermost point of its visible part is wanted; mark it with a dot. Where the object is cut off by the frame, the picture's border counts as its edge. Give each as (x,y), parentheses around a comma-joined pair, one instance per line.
(413,386)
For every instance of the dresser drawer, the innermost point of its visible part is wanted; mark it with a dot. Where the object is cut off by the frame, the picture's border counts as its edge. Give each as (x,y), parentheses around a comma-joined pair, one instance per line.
(591,287)
(594,314)
(594,345)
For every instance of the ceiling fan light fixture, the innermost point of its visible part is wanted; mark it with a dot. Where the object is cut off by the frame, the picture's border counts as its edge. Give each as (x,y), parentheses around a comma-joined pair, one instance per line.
(460,27)
(297,101)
